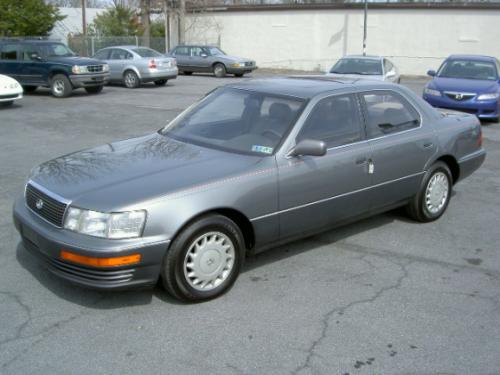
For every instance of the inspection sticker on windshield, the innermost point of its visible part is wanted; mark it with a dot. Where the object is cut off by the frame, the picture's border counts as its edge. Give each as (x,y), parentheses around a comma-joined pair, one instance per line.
(263,149)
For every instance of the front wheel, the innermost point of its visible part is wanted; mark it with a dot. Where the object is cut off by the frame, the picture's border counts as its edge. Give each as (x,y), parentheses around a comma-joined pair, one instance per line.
(94,89)
(60,86)
(219,70)
(131,79)
(161,82)
(204,260)
(432,200)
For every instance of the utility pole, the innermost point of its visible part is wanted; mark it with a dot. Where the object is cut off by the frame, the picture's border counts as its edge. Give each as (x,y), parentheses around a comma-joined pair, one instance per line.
(166,14)
(182,21)
(84,18)
(364,28)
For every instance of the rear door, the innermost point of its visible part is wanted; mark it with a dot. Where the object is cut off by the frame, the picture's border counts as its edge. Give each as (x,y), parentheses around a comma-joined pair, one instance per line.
(401,145)
(318,192)
(181,54)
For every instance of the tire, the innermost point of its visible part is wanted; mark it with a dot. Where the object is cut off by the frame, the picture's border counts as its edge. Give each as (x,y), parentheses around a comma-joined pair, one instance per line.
(187,73)
(184,278)
(422,208)
(94,89)
(161,82)
(29,88)
(60,86)
(219,70)
(131,80)
(239,75)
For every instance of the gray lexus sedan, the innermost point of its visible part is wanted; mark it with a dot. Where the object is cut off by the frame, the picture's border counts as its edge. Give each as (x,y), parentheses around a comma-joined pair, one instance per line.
(250,166)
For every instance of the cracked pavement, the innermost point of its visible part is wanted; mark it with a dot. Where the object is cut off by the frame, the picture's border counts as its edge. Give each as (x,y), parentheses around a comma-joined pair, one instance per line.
(381,296)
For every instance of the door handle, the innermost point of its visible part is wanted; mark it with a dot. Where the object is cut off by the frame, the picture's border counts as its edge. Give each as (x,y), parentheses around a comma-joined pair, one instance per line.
(361,161)
(428,145)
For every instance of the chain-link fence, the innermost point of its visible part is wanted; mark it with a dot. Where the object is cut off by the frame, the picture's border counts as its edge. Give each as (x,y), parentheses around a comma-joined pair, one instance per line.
(89,45)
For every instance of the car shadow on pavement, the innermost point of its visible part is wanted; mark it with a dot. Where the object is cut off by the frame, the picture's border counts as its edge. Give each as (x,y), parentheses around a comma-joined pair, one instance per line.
(88,297)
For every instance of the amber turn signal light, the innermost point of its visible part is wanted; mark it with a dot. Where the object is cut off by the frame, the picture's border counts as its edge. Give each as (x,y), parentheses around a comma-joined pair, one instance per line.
(101,262)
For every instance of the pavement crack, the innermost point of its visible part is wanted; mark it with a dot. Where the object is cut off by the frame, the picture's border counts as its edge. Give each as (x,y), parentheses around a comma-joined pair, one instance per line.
(325,321)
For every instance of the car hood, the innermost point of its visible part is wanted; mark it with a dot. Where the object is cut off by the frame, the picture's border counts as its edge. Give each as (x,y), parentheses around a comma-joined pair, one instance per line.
(121,174)
(356,76)
(74,60)
(464,85)
(6,81)
(235,58)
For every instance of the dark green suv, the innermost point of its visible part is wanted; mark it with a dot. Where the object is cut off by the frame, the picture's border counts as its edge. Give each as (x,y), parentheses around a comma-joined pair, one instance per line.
(51,64)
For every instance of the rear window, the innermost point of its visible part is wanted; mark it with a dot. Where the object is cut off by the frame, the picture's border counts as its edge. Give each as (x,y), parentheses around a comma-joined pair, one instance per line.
(146,52)
(8,52)
(357,66)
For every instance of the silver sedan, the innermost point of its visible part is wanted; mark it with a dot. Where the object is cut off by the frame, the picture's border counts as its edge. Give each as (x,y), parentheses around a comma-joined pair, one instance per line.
(132,65)
(373,67)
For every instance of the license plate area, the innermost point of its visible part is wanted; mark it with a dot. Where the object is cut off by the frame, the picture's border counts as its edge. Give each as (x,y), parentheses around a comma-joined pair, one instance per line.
(30,235)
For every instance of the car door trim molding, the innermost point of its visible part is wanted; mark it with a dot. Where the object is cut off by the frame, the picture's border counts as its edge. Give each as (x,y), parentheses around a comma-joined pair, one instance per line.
(334,197)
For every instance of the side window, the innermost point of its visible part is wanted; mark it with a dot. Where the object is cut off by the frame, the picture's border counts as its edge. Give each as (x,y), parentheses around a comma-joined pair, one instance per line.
(120,54)
(335,120)
(26,51)
(388,112)
(196,51)
(8,52)
(102,55)
(181,51)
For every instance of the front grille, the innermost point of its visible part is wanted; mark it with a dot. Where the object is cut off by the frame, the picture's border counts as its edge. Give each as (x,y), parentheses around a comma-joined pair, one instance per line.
(10,96)
(249,63)
(45,206)
(94,68)
(459,96)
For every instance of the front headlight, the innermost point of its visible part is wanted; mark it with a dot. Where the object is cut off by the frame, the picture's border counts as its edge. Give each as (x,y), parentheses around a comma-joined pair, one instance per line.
(79,69)
(106,225)
(490,96)
(238,65)
(105,68)
(432,92)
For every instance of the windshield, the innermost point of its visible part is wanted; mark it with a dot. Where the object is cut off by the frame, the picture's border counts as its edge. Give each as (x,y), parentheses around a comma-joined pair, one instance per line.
(214,51)
(237,120)
(147,52)
(54,50)
(357,66)
(468,69)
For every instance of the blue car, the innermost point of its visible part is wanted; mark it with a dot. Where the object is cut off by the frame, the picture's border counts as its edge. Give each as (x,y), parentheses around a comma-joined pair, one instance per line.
(467,83)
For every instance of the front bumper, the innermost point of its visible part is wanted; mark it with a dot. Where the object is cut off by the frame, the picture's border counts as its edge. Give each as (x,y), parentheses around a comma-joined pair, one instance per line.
(89,80)
(485,109)
(45,241)
(159,74)
(11,97)
(242,70)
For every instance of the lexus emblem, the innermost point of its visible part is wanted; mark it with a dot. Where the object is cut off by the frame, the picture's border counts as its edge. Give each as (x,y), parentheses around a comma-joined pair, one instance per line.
(39,204)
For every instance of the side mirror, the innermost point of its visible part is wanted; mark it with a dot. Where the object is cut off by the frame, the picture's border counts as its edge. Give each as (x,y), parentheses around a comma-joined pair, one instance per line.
(309,147)
(204,55)
(431,73)
(35,56)
(391,74)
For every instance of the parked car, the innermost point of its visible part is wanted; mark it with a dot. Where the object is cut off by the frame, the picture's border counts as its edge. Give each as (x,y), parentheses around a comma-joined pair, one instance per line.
(133,65)
(467,83)
(50,64)
(10,90)
(211,59)
(252,165)
(373,67)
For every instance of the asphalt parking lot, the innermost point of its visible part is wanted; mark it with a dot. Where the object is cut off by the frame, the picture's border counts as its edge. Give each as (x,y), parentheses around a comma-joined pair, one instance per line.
(382,296)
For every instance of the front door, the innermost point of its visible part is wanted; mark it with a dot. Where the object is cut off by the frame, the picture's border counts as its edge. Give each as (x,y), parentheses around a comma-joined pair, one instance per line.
(318,192)
(32,70)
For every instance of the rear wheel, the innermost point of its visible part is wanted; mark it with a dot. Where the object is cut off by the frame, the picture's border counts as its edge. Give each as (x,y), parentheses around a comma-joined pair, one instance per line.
(432,200)
(187,73)
(29,88)
(161,82)
(219,70)
(131,80)
(94,89)
(60,86)
(204,260)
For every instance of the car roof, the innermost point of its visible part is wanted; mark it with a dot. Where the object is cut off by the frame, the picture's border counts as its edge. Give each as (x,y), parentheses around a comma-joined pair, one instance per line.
(129,46)
(365,57)
(471,57)
(306,87)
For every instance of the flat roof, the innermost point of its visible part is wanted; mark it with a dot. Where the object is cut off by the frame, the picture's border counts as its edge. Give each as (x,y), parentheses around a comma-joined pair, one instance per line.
(304,87)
